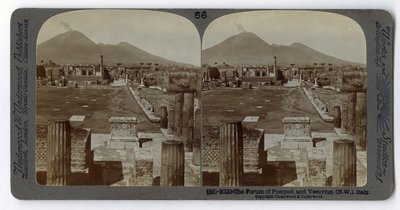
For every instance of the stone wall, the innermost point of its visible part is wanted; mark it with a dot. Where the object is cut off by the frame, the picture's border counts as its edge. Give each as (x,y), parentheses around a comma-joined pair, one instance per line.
(253,149)
(81,154)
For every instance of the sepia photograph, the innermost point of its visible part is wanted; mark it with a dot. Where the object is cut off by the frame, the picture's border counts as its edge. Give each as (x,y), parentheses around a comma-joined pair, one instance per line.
(117,99)
(205,104)
(284,100)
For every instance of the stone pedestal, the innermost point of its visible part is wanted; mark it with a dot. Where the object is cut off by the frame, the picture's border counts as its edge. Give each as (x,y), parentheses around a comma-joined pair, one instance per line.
(316,174)
(337,116)
(351,113)
(297,133)
(58,152)
(230,153)
(141,82)
(196,158)
(143,169)
(315,83)
(123,133)
(361,121)
(188,120)
(344,163)
(172,163)
(164,117)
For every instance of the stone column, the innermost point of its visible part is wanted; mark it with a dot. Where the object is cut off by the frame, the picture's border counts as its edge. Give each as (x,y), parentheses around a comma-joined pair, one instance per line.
(351,113)
(188,120)
(361,121)
(58,152)
(178,114)
(344,117)
(337,116)
(230,153)
(164,117)
(171,118)
(196,158)
(172,163)
(344,163)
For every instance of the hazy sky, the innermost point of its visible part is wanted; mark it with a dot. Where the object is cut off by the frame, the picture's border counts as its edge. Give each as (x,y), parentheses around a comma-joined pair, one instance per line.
(167,35)
(328,33)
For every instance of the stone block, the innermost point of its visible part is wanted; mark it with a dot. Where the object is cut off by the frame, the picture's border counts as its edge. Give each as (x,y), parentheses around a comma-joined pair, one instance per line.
(296,127)
(123,133)
(122,144)
(316,174)
(289,144)
(123,126)
(297,133)
(143,168)
(307,144)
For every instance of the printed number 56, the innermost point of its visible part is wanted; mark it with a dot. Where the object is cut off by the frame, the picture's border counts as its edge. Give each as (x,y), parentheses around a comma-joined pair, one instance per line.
(202,15)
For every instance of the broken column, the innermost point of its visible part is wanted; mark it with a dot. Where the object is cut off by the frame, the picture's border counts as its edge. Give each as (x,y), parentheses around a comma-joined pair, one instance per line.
(197,139)
(337,117)
(230,153)
(361,121)
(344,163)
(58,152)
(344,117)
(351,113)
(172,163)
(178,114)
(164,117)
(188,120)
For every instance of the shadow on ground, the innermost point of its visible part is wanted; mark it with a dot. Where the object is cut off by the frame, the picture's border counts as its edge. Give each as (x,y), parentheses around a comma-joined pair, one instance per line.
(275,173)
(101,173)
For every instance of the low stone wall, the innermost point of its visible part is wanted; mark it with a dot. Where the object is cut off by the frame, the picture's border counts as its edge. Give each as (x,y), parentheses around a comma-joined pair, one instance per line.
(81,154)
(145,108)
(253,149)
(84,80)
(319,106)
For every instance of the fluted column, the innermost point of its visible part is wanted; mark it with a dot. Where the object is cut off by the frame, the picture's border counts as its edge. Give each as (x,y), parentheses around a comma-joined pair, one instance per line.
(164,117)
(344,163)
(230,153)
(172,163)
(58,152)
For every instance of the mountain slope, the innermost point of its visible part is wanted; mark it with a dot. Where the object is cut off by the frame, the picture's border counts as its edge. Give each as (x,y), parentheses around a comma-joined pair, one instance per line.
(73,47)
(248,49)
